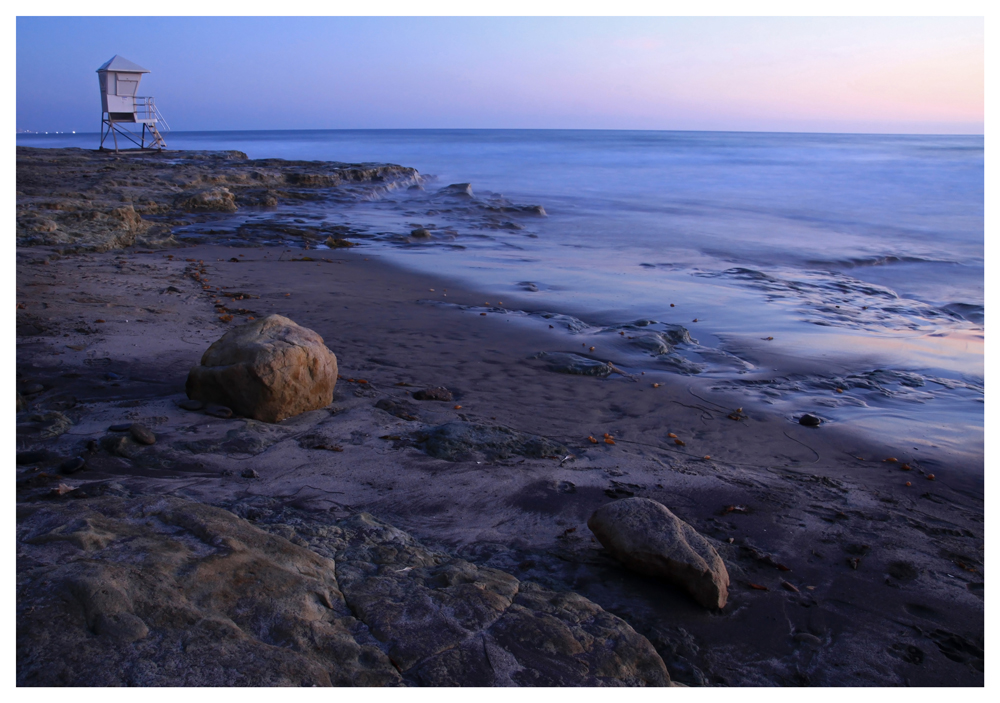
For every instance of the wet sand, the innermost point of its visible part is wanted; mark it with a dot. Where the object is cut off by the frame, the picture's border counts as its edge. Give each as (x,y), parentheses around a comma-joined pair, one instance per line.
(841,573)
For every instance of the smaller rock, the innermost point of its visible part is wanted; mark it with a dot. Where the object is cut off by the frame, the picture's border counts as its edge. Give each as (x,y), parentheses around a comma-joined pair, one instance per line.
(123,427)
(71,466)
(190,404)
(249,473)
(335,243)
(120,445)
(438,393)
(421,233)
(646,537)
(33,388)
(219,411)
(112,376)
(142,434)
(809,420)
(460,189)
(562,362)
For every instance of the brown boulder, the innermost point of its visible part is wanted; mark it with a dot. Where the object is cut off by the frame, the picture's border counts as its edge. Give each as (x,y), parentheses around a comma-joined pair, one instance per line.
(648,538)
(268,369)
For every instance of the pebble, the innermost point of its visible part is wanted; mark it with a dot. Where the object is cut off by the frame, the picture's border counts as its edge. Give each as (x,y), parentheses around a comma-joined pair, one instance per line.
(71,466)
(249,473)
(142,434)
(33,388)
(219,411)
(809,420)
(124,427)
(191,404)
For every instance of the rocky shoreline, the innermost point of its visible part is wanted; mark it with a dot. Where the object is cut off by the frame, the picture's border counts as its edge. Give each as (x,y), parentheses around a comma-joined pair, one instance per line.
(412,539)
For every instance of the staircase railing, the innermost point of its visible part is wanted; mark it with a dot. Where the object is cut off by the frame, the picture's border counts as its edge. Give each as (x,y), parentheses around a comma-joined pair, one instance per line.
(145,109)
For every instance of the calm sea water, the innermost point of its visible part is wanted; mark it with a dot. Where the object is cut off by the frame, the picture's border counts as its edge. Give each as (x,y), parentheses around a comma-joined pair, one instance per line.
(861,257)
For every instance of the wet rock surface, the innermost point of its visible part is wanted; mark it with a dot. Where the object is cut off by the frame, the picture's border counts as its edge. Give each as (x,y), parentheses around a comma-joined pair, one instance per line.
(563,362)
(464,441)
(116,589)
(75,198)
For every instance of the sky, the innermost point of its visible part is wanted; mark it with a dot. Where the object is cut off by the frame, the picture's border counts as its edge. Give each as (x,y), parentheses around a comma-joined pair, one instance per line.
(806,74)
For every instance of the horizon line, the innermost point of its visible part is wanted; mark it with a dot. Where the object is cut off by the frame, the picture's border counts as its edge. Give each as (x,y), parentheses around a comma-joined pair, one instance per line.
(522,129)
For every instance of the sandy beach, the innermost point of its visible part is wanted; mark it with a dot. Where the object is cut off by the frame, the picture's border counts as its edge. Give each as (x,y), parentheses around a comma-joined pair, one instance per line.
(850,563)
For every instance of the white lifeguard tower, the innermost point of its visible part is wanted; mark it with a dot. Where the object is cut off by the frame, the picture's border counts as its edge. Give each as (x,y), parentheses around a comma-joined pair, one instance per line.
(119,79)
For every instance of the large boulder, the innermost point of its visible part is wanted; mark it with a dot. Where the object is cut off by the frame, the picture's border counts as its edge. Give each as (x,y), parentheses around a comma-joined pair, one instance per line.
(648,538)
(268,369)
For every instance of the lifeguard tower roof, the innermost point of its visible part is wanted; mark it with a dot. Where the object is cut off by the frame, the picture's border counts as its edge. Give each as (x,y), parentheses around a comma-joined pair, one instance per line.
(117,63)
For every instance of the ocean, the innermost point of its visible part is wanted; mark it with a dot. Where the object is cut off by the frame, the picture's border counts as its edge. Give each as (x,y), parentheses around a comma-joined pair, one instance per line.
(840,275)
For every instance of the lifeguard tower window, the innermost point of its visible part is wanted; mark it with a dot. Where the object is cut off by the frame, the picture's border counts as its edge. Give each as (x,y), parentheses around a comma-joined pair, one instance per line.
(127,85)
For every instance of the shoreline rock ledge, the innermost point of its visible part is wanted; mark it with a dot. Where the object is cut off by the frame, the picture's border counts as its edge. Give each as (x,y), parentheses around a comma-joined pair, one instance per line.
(646,537)
(269,370)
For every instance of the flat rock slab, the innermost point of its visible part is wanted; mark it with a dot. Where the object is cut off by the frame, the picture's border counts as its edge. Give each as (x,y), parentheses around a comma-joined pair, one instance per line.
(158,591)
(398,408)
(648,538)
(116,589)
(463,441)
(564,362)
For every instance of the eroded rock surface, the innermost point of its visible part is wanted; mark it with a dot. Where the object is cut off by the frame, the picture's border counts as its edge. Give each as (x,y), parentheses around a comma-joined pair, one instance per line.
(648,538)
(155,590)
(269,369)
(81,200)
(459,441)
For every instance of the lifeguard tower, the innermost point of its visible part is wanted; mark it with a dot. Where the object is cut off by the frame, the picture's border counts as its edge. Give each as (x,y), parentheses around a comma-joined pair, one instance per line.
(119,79)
